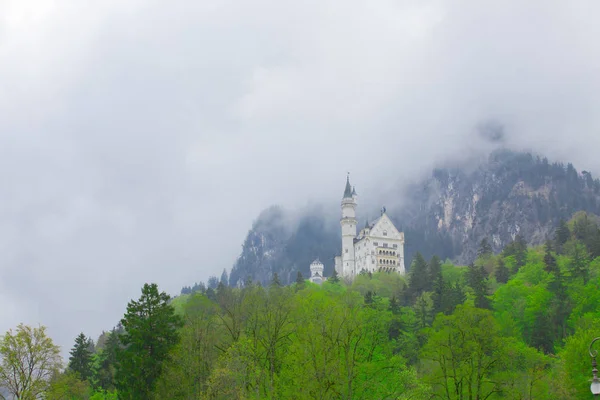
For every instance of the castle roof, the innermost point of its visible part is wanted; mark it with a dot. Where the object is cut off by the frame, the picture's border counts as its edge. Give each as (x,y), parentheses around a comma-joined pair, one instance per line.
(348,189)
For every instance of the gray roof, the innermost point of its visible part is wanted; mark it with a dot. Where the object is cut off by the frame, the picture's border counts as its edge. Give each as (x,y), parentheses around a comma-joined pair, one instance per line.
(348,190)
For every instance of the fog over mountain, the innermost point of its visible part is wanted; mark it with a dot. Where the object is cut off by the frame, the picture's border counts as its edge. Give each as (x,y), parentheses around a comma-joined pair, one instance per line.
(140,139)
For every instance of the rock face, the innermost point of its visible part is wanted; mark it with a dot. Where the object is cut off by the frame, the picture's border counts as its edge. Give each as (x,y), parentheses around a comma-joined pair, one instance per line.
(448,214)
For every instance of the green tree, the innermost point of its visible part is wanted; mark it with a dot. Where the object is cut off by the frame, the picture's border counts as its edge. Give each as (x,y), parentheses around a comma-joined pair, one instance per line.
(578,260)
(203,338)
(224,278)
(334,277)
(477,279)
(419,276)
(104,362)
(275,280)
(67,386)
(485,249)
(501,272)
(300,283)
(549,259)
(80,360)
(466,352)
(150,333)
(28,361)
(561,235)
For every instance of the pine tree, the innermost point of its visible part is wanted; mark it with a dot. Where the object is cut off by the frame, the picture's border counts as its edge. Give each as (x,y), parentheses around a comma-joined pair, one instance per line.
(521,250)
(211,294)
(394,306)
(436,280)
(439,294)
(419,275)
(561,235)
(299,279)
(275,280)
(477,279)
(549,260)
(435,271)
(485,249)
(225,278)
(213,282)
(80,360)
(151,331)
(501,272)
(334,277)
(368,298)
(105,363)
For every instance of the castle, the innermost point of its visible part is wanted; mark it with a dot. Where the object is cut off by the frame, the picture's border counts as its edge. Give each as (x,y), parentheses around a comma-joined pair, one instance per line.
(379,246)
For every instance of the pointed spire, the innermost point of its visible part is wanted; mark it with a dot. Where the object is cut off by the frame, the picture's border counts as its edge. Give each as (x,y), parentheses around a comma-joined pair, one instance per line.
(353,191)
(367,223)
(348,190)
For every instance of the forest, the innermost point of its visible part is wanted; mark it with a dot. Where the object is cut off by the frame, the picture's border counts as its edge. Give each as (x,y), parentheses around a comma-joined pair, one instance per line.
(512,325)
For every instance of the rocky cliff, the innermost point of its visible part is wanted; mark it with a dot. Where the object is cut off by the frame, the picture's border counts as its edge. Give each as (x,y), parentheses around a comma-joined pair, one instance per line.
(447,214)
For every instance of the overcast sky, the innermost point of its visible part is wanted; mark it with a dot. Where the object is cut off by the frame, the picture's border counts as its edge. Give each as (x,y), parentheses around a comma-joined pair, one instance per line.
(139,139)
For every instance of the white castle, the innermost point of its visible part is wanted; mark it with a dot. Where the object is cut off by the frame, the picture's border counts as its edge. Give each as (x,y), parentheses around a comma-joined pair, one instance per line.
(379,246)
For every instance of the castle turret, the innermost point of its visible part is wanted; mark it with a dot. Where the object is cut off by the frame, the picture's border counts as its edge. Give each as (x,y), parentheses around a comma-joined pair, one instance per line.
(316,272)
(348,223)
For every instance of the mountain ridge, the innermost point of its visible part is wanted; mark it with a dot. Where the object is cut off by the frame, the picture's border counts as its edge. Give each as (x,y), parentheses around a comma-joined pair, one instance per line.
(447,214)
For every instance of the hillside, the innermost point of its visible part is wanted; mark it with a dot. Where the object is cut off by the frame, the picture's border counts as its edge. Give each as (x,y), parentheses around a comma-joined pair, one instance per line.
(449,214)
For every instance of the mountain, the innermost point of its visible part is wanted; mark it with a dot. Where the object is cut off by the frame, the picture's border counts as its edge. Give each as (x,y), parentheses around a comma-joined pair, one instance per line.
(447,214)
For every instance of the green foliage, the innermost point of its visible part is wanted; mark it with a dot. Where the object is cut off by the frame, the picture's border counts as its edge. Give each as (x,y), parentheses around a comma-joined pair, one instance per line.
(419,276)
(80,361)
(28,361)
(68,386)
(515,325)
(150,333)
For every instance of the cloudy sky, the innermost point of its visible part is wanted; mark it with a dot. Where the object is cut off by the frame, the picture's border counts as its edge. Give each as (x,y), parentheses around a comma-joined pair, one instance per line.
(139,139)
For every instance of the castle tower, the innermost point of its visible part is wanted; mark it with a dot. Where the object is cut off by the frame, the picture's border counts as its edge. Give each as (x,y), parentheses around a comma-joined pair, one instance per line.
(348,223)
(316,272)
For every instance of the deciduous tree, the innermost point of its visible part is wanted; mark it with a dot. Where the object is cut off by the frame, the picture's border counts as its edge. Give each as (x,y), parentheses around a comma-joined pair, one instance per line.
(28,361)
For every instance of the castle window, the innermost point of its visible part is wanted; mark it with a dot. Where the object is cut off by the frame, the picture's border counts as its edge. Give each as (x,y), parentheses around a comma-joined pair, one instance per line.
(385,245)
(375,244)
(346,250)
(395,246)
(384,233)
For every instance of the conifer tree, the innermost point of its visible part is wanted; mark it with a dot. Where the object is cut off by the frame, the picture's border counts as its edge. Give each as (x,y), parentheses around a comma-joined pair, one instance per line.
(595,244)
(561,235)
(435,271)
(275,280)
(477,279)
(485,249)
(334,277)
(211,294)
(81,357)
(521,250)
(419,276)
(549,260)
(151,331)
(501,272)
(368,298)
(394,306)
(299,279)
(225,278)
(439,294)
